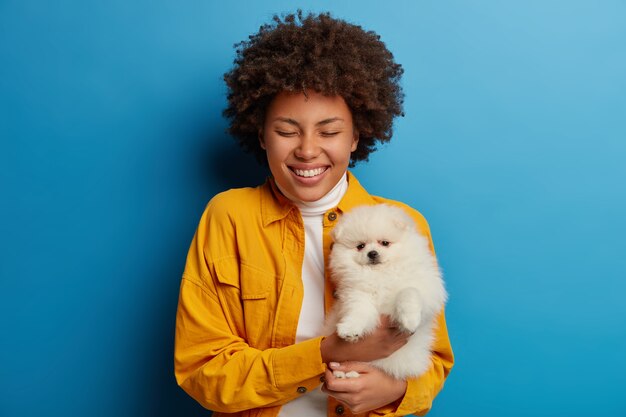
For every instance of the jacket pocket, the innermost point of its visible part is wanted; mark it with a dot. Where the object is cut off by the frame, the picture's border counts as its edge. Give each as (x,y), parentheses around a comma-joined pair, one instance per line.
(249,297)
(253,283)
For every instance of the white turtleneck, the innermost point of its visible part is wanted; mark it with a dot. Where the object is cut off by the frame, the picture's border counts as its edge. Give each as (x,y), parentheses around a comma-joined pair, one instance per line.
(311,320)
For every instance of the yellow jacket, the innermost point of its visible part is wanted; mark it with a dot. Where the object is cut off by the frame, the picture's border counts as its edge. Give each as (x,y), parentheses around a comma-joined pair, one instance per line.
(239,305)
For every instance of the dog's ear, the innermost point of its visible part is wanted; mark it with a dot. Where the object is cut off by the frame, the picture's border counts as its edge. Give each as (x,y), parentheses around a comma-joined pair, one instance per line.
(402,220)
(337,232)
(401,223)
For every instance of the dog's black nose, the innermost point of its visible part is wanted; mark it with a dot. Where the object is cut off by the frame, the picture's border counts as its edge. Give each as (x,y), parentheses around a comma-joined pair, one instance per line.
(372,254)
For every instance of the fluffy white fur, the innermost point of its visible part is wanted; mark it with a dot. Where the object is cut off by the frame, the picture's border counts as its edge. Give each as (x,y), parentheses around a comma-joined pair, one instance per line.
(381,264)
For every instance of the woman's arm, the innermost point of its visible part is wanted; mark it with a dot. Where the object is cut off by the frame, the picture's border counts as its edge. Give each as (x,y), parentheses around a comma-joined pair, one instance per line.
(382,342)
(214,360)
(222,372)
(382,395)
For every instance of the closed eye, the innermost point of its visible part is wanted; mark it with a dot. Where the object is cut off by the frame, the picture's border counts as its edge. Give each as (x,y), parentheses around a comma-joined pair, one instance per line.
(286,134)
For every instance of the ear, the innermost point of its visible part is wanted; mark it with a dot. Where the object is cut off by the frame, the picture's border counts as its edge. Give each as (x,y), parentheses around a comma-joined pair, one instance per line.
(355,141)
(261,139)
(336,232)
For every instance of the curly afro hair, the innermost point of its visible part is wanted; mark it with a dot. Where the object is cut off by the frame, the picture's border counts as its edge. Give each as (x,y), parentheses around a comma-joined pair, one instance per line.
(320,53)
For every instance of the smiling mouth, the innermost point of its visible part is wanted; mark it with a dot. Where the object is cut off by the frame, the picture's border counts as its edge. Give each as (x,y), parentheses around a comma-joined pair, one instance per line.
(308,173)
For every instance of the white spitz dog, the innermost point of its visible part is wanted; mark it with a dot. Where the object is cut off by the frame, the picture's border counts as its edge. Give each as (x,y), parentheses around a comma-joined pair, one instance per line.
(381,264)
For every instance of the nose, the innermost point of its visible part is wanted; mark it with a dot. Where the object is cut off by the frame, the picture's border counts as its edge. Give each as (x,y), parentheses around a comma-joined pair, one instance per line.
(372,254)
(308,148)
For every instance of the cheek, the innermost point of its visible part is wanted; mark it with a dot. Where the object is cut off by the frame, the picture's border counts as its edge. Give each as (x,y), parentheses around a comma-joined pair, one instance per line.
(342,154)
(275,152)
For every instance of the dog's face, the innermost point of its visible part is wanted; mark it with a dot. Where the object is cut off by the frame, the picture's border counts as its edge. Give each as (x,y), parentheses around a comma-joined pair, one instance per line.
(373,251)
(371,235)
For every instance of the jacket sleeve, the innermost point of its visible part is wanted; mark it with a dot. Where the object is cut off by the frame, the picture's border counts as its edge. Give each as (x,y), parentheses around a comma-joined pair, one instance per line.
(213,362)
(222,372)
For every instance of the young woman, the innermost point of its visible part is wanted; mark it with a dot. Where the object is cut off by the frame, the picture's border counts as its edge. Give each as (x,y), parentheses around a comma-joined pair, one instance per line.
(309,95)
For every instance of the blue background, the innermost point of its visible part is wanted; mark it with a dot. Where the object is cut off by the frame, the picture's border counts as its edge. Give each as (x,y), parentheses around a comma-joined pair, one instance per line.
(513,147)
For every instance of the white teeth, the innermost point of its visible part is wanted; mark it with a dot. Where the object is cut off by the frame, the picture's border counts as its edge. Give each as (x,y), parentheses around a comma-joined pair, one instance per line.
(309,172)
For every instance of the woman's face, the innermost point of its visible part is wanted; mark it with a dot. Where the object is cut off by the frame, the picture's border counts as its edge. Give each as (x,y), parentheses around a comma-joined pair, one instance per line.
(308,141)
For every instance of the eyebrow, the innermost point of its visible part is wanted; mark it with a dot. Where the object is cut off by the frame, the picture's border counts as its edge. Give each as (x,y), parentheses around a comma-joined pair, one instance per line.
(320,123)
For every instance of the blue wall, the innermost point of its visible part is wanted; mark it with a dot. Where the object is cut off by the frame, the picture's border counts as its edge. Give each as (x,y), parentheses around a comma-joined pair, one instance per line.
(513,147)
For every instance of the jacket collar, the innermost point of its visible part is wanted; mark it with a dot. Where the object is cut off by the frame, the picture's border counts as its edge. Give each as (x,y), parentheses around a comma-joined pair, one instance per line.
(355,196)
(275,206)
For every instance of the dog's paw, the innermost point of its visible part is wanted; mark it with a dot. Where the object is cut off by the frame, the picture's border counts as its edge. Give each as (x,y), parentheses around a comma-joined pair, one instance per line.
(407,319)
(339,374)
(408,323)
(348,333)
(344,375)
(352,338)
(408,313)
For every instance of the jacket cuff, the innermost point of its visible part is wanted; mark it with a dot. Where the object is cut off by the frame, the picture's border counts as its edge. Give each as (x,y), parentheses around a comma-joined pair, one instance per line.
(415,401)
(299,362)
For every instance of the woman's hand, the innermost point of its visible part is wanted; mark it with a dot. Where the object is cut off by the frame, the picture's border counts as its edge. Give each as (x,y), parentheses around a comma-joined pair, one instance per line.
(372,389)
(379,344)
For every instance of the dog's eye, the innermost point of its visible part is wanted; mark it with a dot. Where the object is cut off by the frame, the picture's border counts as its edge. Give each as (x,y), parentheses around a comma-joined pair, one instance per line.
(384,243)
(360,246)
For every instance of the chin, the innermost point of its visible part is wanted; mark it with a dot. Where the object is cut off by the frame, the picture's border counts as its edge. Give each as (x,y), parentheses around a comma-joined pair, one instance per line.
(382,265)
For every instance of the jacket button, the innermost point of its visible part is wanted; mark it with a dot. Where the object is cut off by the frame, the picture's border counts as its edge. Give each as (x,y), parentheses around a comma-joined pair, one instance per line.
(301,390)
(332,216)
(339,410)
